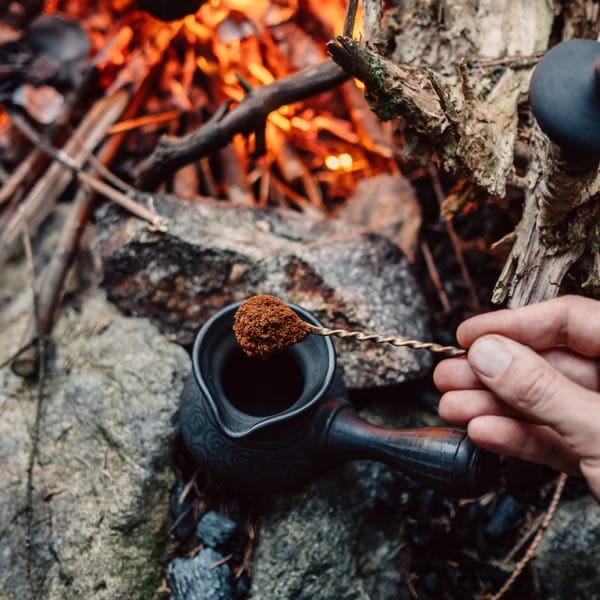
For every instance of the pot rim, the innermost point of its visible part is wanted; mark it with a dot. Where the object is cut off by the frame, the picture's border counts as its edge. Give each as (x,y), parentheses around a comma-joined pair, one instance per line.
(260,423)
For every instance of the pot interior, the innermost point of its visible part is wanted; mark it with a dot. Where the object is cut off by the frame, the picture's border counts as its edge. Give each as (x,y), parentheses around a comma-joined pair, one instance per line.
(249,394)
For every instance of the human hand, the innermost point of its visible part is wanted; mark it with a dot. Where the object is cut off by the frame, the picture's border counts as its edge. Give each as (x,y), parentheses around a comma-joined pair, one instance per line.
(530,384)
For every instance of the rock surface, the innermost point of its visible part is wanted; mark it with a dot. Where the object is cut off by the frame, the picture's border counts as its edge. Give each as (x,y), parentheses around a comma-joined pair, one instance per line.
(215,253)
(567,559)
(199,578)
(90,521)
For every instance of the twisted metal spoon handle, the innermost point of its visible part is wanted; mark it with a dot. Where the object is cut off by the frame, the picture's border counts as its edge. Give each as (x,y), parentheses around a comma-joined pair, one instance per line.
(394,341)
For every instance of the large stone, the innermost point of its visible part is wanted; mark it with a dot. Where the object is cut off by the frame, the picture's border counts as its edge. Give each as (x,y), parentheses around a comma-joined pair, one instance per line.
(567,559)
(215,253)
(85,479)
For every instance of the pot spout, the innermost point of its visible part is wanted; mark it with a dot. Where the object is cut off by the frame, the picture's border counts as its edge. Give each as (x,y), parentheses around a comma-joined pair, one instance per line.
(442,458)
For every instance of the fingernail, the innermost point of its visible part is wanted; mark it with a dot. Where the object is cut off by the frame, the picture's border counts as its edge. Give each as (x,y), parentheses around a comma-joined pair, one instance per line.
(490,357)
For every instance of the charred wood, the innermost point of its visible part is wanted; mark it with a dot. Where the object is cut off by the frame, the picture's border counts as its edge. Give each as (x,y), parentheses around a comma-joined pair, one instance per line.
(247,117)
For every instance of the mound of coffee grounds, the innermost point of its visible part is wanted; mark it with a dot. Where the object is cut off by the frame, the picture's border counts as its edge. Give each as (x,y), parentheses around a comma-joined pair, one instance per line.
(264,325)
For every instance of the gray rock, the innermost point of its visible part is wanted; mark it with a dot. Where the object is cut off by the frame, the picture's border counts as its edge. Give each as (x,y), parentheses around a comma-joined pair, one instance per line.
(216,253)
(198,578)
(306,548)
(214,529)
(331,540)
(567,559)
(92,522)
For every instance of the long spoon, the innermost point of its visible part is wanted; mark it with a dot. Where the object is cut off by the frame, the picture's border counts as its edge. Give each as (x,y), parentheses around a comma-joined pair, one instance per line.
(264,325)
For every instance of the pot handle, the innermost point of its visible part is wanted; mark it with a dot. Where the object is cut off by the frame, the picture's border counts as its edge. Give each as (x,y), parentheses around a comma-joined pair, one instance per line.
(442,458)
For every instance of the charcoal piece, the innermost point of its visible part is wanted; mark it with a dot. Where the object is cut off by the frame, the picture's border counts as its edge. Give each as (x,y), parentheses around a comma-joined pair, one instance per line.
(482,541)
(198,578)
(215,530)
(505,517)
(424,512)
(421,539)
(242,586)
(181,513)
(432,584)
(493,574)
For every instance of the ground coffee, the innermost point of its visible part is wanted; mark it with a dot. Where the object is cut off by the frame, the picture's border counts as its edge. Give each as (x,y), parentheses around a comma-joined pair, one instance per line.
(264,325)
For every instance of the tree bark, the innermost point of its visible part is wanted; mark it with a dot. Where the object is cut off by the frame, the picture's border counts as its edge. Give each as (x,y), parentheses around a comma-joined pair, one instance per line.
(456,75)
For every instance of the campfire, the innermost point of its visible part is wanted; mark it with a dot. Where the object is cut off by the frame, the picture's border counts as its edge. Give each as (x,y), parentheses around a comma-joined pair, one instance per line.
(256,106)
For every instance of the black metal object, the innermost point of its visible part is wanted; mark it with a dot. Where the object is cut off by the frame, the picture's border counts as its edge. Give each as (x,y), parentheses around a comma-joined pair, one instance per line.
(565,96)
(170,10)
(303,428)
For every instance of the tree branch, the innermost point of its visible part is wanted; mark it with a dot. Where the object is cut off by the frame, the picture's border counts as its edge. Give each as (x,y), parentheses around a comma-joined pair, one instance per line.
(248,116)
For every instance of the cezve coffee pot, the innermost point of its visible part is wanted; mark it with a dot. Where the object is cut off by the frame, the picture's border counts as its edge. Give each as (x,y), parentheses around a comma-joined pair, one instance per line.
(267,426)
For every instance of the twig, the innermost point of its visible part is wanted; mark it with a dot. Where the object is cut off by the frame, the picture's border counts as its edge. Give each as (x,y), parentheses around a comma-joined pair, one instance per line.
(560,485)
(350,18)
(533,527)
(42,198)
(248,116)
(455,240)
(64,161)
(25,362)
(35,434)
(366,124)
(435,277)
(130,124)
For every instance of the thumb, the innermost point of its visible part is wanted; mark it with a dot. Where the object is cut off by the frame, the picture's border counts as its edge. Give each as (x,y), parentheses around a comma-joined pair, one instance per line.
(524,380)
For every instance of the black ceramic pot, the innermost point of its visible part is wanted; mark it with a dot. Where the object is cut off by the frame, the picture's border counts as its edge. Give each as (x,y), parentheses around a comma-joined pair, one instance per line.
(265,426)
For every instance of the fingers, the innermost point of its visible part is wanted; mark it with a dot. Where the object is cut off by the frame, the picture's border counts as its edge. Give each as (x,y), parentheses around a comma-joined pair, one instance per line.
(571,321)
(531,386)
(459,407)
(590,469)
(456,373)
(533,443)
(583,371)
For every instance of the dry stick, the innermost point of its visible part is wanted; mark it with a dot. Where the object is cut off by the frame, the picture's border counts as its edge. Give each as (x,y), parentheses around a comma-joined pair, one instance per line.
(248,116)
(350,18)
(66,162)
(36,161)
(35,434)
(367,125)
(41,200)
(455,240)
(536,540)
(26,361)
(156,119)
(531,529)
(435,277)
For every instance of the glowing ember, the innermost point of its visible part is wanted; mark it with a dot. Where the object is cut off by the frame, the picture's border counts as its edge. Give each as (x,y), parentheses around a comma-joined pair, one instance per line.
(341,162)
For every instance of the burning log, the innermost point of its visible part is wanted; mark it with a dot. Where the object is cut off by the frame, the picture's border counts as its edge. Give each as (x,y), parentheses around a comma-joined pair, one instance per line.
(249,116)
